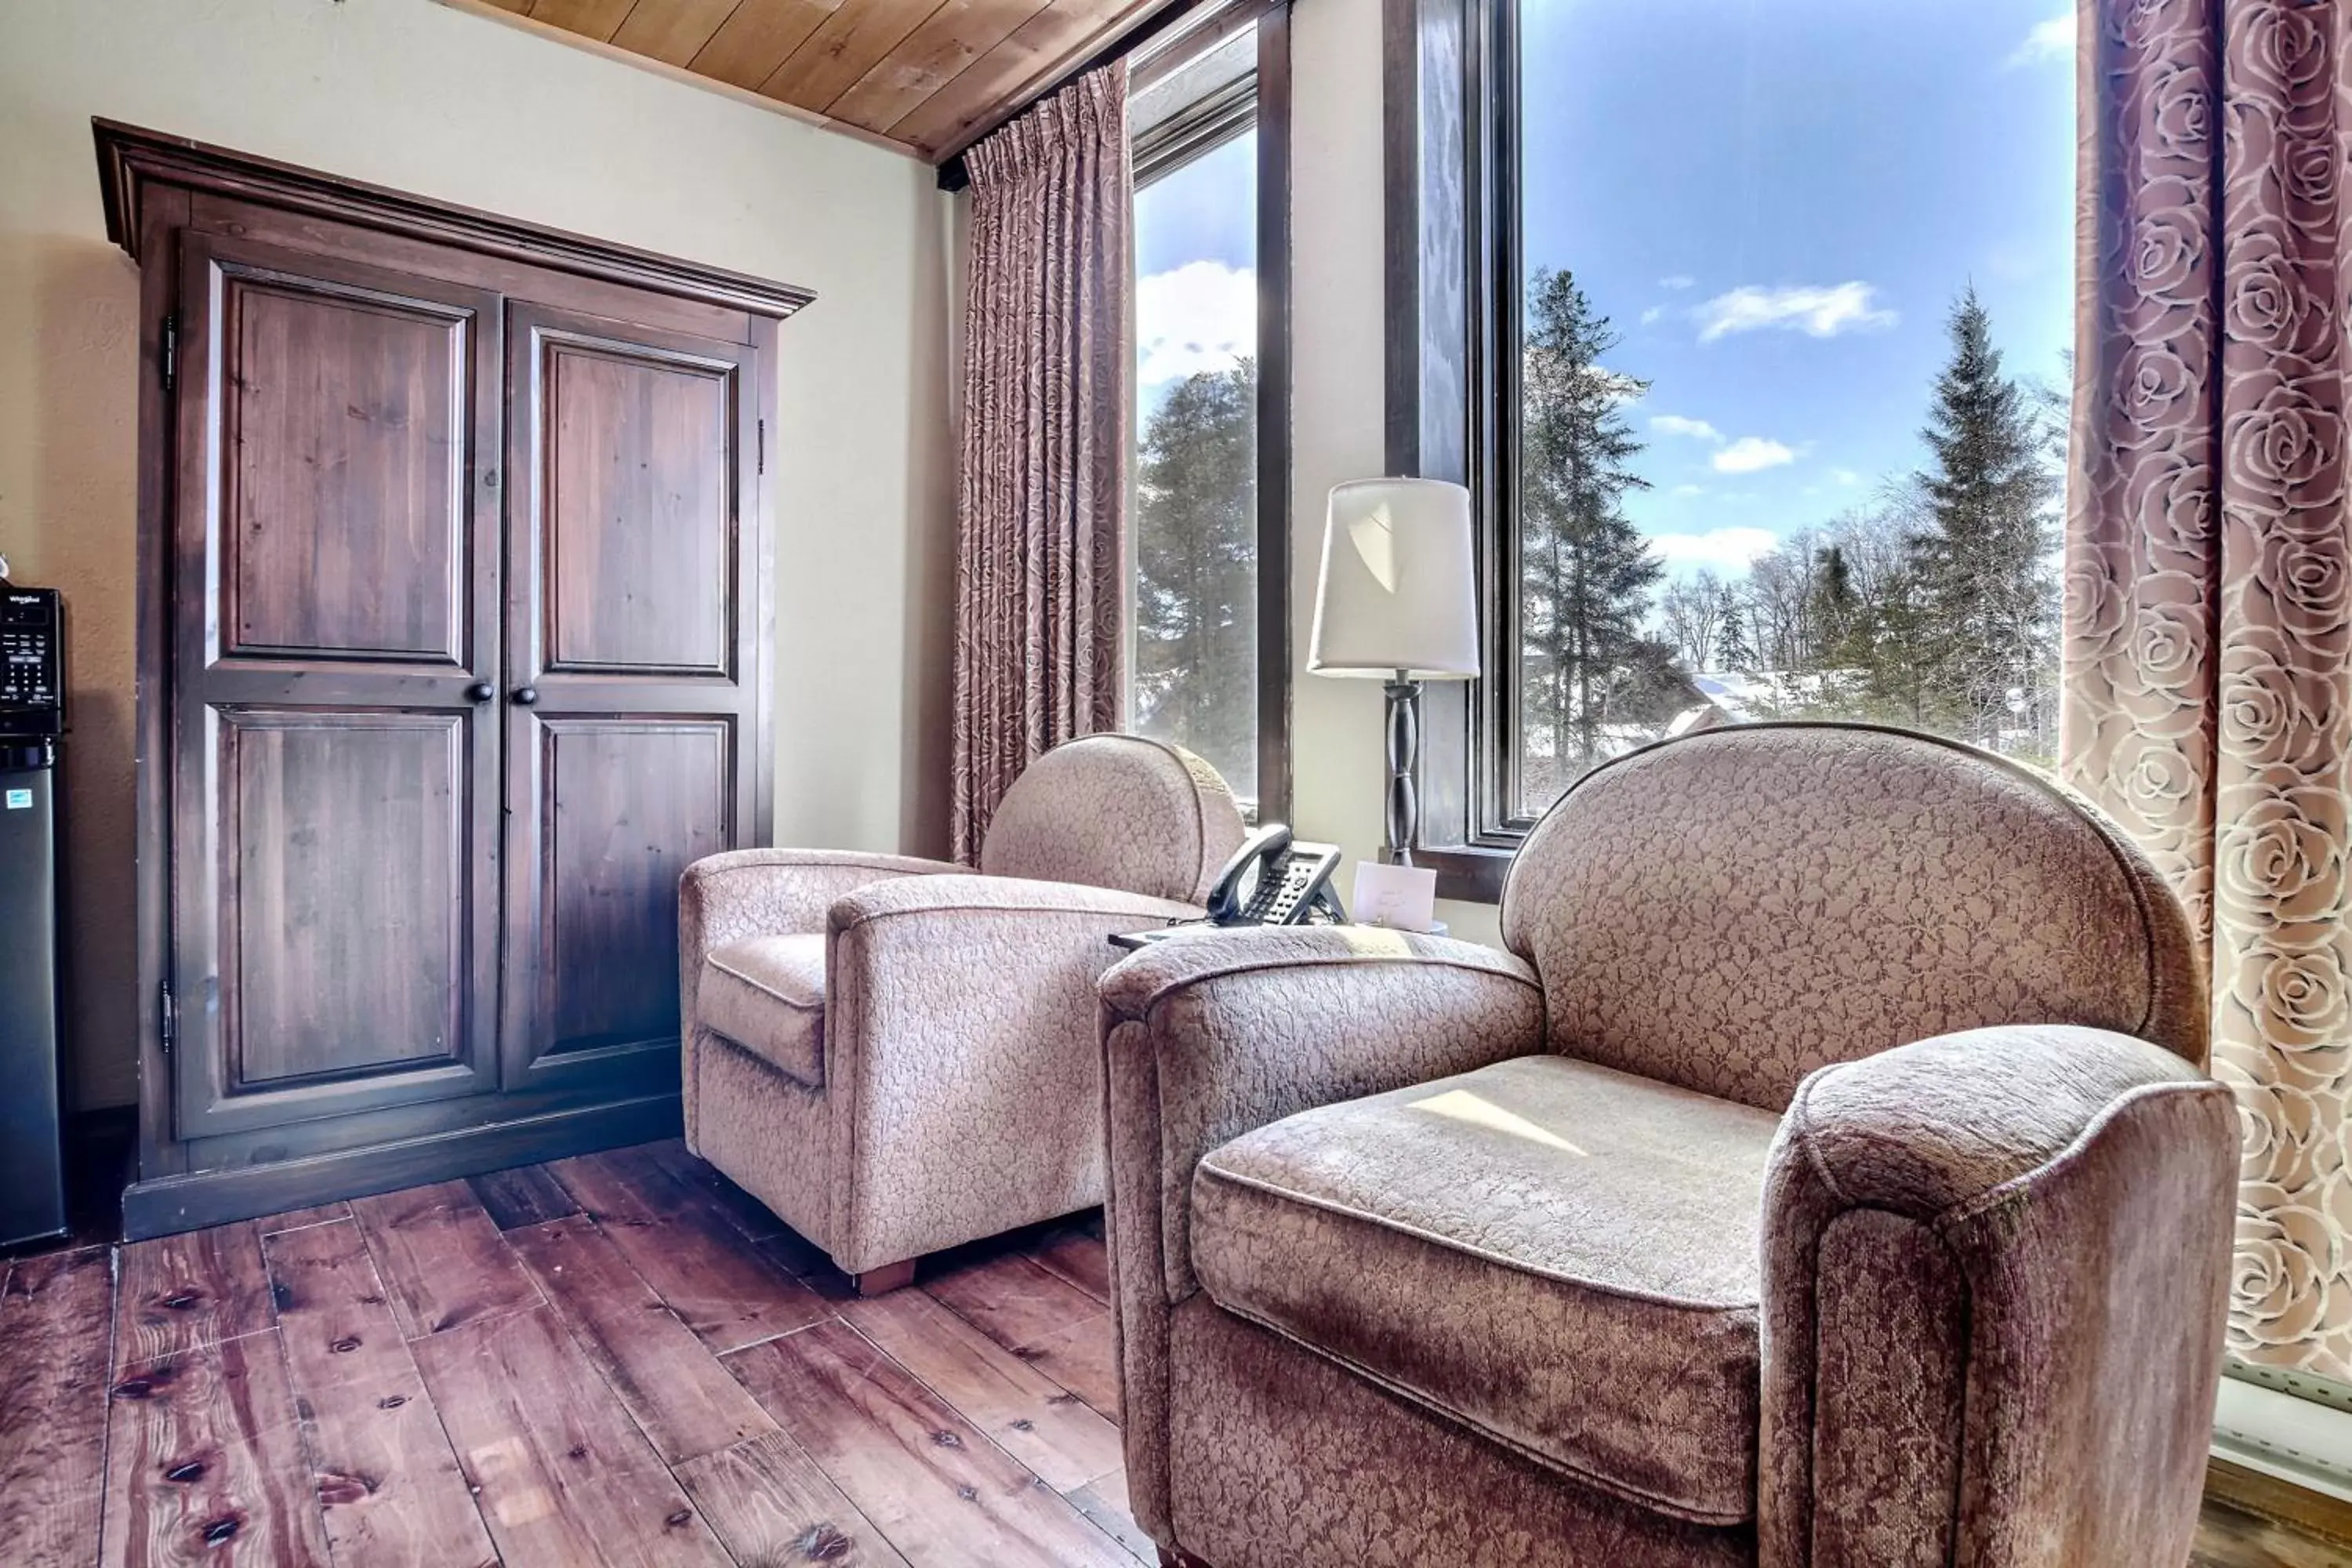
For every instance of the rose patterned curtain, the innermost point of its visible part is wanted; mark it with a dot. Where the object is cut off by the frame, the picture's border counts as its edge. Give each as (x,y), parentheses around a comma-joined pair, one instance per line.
(2208,561)
(1041,504)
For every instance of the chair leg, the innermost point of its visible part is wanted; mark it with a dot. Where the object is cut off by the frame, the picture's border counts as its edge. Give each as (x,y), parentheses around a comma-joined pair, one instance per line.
(888,1278)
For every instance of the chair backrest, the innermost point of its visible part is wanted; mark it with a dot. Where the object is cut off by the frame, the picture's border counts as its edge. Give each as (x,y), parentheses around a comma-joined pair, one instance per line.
(1116,811)
(1729,911)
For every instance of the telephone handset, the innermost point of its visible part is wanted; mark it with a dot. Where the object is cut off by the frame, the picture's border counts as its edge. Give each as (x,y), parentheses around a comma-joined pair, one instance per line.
(1275,879)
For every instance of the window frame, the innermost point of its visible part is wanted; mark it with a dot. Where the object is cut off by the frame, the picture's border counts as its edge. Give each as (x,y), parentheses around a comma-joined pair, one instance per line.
(1450,100)
(1192,132)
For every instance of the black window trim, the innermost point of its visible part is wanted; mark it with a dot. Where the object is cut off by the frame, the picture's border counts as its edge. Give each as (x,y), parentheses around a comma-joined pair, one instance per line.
(1260,100)
(1452,231)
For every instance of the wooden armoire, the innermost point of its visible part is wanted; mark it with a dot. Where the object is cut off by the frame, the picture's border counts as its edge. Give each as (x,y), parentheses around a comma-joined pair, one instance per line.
(452,651)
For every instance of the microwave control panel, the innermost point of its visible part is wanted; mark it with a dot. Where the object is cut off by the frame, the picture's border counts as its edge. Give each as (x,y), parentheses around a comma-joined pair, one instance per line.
(32,661)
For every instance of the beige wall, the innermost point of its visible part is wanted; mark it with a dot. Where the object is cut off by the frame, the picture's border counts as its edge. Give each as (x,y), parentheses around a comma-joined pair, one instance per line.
(409,94)
(1338,323)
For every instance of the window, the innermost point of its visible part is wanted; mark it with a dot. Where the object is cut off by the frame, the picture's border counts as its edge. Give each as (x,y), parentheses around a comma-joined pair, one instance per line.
(1770,310)
(1210,566)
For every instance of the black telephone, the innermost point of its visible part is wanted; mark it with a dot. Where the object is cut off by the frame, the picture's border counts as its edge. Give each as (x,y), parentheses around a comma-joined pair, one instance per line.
(1275,879)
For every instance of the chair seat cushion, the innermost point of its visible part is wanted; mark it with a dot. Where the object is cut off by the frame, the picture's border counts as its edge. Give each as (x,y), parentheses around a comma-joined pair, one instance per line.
(1561,1257)
(767,994)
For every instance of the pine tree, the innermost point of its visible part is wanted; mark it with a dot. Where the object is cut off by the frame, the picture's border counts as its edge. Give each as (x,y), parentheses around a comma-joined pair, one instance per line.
(1585,570)
(1986,601)
(1196,571)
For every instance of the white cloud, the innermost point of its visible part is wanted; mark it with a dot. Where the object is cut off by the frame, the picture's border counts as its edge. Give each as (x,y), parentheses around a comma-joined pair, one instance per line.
(2051,40)
(1686,491)
(1844,476)
(1677,280)
(1651,316)
(1821,313)
(1202,316)
(1751,453)
(1730,551)
(1675,425)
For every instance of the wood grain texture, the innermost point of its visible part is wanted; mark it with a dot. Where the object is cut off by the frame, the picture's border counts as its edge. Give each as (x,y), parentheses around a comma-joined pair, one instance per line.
(1105,1502)
(563,1476)
(1073,1251)
(940,49)
(178,1292)
(387,1483)
(1023,63)
(842,49)
(294,1219)
(673,33)
(205,1462)
(598,19)
(1012,1299)
(444,1263)
(689,1252)
(940,1492)
(757,38)
(687,1402)
(1082,1358)
(54,1312)
(749,1215)
(1033,1418)
(219,1438)
(524,1195)
(769,1503)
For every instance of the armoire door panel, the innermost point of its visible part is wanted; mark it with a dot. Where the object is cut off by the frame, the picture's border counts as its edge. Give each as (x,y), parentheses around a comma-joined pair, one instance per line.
(336,459)
(346,840)
(635,640)
(335,778)
(640,514)
(343,511)
(625,804)
(634,445)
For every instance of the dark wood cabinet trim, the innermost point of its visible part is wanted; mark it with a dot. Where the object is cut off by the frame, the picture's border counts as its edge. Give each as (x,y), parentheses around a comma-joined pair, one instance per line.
(161,191)
(130,161)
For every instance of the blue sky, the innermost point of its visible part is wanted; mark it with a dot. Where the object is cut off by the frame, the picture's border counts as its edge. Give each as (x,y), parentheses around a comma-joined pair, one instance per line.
(1775,201)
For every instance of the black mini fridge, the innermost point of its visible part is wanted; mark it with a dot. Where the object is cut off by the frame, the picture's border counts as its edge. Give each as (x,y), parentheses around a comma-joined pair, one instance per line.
(32,1020)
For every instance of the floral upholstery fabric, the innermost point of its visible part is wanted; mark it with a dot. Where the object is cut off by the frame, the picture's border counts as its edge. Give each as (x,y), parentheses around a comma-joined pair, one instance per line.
(1994,1261)
(1117,811)
(766,994)
(1448,1239)
(2045,1392)
(1731,910)
(2208,577)
(896,1055)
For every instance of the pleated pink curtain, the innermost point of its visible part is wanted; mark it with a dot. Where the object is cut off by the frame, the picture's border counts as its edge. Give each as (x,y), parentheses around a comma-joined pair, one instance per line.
(2209,574)
(1040,646)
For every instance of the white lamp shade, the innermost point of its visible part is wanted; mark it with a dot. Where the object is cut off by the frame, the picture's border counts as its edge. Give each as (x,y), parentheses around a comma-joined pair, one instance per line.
(1399,587)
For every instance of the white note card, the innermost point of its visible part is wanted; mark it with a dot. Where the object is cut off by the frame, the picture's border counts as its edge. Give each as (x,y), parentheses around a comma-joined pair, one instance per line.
(1402,897)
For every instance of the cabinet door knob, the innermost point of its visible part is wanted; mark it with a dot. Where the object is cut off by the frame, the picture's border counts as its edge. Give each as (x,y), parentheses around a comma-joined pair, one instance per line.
(480,691)
(524,696)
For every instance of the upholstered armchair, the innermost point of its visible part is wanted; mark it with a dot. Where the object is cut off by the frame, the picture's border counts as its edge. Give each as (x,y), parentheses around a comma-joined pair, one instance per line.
(1827,1175)
(896,1055)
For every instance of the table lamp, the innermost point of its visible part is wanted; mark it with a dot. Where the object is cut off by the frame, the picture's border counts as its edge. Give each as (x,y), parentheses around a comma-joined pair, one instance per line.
(1398,600)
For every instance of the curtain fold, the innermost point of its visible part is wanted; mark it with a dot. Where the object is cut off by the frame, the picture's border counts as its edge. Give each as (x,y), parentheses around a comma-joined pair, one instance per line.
(1041,504)
(2209,576)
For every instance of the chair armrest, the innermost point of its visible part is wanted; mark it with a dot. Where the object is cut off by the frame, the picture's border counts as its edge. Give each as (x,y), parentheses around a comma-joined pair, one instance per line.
(2000,1255)
(1206,1037)
(774,892)
(1210,1036)
(961,1056)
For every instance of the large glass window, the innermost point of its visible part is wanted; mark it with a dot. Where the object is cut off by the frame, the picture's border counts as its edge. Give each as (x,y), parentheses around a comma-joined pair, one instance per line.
(1782,304)
(1204,527)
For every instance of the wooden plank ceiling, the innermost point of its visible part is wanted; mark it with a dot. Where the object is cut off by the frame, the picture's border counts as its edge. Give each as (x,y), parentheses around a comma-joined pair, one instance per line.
(925,75)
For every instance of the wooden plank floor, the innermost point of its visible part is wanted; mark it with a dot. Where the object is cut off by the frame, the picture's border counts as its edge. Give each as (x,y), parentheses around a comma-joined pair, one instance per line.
(615,1360)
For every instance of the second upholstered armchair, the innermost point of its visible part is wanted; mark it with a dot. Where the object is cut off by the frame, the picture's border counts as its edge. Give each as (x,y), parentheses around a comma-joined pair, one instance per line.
(1826,1176)
(897,1054)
